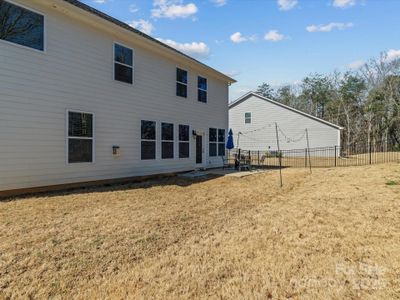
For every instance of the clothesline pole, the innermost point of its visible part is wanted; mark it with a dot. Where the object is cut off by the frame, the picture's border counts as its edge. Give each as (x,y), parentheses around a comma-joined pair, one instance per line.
(279,153)
(308,150)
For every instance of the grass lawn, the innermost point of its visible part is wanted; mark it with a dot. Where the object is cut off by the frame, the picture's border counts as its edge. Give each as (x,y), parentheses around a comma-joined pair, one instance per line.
(333,234)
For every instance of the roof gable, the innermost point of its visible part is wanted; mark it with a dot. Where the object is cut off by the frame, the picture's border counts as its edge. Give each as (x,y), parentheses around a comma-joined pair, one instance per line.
(249,94)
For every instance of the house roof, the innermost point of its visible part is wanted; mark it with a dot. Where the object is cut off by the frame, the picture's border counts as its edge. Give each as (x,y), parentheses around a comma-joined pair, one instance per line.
(249,94)
(125,26)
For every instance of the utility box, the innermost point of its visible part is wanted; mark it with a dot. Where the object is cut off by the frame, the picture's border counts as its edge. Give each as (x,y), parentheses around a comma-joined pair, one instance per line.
(116,151)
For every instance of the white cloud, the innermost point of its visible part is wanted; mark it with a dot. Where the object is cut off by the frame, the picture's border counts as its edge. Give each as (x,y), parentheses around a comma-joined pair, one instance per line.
(232,73)
(344,3)
(392,54)
(172,9)
(195,49)
(133,8)
(237,37)
(274,36)
(100,1)
(219,3)
(287,4)
(142,25)
(328,27)
(356,64)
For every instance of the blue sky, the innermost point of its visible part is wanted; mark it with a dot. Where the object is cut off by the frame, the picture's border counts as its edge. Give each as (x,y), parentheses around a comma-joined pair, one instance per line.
(276,41)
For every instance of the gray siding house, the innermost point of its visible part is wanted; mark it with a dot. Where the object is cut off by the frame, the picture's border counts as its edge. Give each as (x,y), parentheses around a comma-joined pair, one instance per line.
(252,119)
(84,97)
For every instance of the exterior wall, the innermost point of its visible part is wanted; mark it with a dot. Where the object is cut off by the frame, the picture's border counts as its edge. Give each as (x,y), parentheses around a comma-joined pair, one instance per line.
(261,133)
(76,73)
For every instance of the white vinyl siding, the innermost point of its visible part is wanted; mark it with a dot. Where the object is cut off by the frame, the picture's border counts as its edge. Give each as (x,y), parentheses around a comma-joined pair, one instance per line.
(260,134)
(76,73)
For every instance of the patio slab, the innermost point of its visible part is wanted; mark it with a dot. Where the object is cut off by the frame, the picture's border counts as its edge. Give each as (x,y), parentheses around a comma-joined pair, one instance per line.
(221,172)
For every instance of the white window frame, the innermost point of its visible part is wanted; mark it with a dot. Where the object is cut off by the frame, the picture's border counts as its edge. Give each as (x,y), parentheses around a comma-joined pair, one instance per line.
(219,143)
(146,140)
(167,141)
(186,84)
(122,64)
(67,137)
(179,142)
(206,90)
(247,118)
(213,142)
(44,51)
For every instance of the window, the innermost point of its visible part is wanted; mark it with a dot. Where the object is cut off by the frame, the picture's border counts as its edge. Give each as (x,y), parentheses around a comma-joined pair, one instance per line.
(167,140)
(221,142)
(184,141)
(123,64)
(21,26)
(202,89)
(80,137)
(212,136)
(216,142)
(181,83)
(148,140)
(247,118)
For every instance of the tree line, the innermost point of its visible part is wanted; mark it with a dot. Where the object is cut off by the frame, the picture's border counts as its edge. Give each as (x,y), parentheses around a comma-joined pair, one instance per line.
(366,102)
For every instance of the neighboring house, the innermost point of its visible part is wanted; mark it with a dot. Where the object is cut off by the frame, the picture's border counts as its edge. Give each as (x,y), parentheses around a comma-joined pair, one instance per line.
(84,97)
(253,118)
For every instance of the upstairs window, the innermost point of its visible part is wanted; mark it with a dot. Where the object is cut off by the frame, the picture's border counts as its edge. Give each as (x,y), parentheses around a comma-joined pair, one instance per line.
(21,26)
(184,141)
(148,134)
(123,64)
(167,140)
(247,118)
(202,89)
(181,82)
(212,138)
(80,137)
(221,142)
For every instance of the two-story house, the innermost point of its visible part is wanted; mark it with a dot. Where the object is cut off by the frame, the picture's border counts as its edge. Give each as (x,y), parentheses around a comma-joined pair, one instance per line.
(86,98)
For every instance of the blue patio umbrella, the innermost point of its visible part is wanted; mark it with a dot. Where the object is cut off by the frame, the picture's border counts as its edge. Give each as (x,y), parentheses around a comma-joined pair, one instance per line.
(229,143)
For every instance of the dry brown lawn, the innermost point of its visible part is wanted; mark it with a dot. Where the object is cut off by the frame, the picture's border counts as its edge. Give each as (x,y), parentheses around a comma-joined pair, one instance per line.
(334,234)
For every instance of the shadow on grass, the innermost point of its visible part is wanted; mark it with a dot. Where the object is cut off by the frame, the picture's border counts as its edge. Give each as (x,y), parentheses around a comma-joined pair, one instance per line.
(173,180)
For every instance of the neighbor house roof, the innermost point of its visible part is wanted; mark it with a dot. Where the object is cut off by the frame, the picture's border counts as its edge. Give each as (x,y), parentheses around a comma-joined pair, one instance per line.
(248,95)
(134,31)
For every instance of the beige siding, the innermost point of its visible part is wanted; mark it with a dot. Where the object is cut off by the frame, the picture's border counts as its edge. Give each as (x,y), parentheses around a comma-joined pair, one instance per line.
(261,133)
(76,73)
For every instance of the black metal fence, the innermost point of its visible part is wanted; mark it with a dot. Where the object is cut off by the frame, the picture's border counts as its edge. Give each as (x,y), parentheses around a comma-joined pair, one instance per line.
(325,157)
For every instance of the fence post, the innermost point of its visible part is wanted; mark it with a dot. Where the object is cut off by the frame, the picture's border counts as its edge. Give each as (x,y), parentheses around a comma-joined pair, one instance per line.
(239,159)
(370,153)
(258,156)
(335,155)
(305,157)
(250,158)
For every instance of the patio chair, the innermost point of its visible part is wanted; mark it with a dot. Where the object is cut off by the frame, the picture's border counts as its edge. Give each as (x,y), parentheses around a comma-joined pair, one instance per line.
(262,160)
(245,164)
(225,162)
